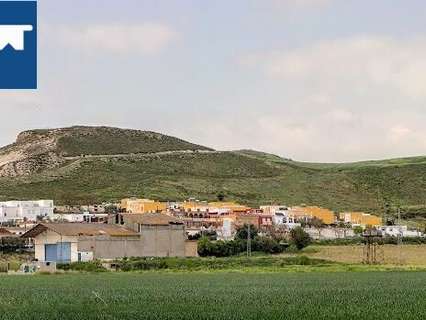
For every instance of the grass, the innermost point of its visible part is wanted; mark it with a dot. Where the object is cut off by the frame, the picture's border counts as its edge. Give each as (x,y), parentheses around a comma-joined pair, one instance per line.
(264,263)
(242,178)
(223,295)
(106,140)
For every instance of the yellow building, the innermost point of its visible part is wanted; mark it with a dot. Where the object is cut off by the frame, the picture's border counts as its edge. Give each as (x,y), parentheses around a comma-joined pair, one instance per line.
(232,206)
(143,206)
(195,206)
(327,216)
(212,206)
(361,218)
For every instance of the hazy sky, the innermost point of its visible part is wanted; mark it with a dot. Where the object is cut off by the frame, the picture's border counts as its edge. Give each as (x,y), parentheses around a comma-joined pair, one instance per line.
(314,80)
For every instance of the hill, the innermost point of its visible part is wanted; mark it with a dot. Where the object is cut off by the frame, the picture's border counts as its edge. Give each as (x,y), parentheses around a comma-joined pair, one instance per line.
(92,164)
(38,150)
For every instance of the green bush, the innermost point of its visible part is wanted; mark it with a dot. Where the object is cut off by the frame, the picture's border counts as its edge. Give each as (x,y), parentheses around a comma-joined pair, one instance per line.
(12,244)
(267,245)
(300,238)
(194,264)
(220,248)
(207,248)
(91,266)
(242,232)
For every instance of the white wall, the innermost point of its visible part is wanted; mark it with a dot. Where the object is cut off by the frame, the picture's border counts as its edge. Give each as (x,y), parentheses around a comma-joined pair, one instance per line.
(403,231)
(19,210)
(69,217)
(50,237)
(282,218)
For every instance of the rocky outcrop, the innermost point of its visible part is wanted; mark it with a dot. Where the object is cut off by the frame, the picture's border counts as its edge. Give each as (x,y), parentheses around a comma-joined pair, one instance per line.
(32,152)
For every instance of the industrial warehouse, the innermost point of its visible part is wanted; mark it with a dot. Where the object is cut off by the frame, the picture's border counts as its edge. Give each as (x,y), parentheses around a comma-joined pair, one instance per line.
(137,235)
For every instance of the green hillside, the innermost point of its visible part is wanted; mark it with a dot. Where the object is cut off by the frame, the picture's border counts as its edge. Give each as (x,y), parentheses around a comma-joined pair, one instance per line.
(105,140)
(247,176)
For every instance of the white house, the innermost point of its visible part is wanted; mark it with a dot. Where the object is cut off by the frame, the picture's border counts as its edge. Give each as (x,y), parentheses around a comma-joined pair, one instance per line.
(283,218)
(79,217)
(394,231)
(25,210)
(272,209)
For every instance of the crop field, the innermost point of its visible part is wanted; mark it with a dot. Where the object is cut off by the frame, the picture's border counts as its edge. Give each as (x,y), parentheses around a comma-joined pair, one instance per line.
(412,255)
(218,295)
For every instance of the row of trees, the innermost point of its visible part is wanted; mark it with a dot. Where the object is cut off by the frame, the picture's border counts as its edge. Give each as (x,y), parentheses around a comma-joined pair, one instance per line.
(299,239)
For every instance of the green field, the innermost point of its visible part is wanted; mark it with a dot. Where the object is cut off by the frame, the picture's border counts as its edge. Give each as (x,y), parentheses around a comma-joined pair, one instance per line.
(220,295)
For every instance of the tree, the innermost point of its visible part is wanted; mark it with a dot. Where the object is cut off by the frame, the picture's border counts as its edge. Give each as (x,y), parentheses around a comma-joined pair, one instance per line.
(317,224)
(111,209)
(243,231)
(342,227)
(204,247)
(300,238)
(220,196)
(358,230)
(267,245)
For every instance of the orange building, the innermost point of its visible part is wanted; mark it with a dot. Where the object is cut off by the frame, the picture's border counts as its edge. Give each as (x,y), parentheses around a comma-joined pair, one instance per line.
(361,218)
(326,215)
(231,207)
(245,219)
(194,206)
(143,206)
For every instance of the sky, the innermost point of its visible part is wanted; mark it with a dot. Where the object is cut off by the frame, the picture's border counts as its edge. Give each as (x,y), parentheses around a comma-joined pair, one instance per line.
(310,80)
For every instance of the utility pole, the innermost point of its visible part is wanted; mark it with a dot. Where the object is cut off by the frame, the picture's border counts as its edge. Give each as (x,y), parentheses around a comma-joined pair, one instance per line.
(248,241)
(399,238)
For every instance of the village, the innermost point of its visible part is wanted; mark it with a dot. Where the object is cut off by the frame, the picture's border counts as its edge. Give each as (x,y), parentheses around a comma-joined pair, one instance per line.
(149,228)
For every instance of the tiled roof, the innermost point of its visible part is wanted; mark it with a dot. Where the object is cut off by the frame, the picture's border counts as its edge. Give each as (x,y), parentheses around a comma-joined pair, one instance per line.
(80,229)
(4,231)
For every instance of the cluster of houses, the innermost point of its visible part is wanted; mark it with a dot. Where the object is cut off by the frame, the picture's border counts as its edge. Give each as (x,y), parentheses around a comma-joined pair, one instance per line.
(25,210)
(146,228)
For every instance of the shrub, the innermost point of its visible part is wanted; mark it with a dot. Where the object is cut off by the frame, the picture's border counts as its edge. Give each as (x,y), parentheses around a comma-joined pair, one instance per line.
(300,238)
(193,264)
(242,232)
(267,245)
(12,244)
(91,266)
(229,248)
(358,229)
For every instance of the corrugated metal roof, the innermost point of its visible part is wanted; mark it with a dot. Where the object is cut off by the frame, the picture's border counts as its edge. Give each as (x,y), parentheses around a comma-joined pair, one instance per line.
(80,229)
(151,219)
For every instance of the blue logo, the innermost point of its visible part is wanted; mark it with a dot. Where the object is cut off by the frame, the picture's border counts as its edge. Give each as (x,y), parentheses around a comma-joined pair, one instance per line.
(18,45)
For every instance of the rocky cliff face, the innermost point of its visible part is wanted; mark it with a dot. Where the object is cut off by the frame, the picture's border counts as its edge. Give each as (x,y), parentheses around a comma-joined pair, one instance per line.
(33,151)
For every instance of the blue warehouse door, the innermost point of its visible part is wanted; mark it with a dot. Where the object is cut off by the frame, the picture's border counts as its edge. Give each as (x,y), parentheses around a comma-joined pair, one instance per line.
(64,252)
(50,251)
(60,252)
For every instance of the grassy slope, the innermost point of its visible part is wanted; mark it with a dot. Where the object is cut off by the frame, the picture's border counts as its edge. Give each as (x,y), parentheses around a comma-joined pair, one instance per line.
(252,179)
(247,176)
(106,140)
(222,295)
